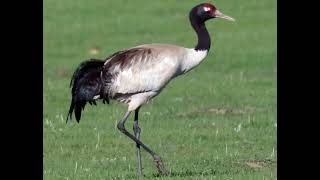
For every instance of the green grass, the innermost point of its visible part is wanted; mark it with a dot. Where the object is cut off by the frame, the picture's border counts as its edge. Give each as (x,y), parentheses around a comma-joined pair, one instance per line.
(193,123)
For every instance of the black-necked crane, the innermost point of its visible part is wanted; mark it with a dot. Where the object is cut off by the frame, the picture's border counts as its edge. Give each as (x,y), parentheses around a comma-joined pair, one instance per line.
(136,75)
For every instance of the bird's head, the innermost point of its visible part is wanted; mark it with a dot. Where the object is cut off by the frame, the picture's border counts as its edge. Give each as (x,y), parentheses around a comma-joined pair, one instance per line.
(206,11)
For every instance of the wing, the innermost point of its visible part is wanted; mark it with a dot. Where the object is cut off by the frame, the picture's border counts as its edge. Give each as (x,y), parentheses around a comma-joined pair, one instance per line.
(140,69)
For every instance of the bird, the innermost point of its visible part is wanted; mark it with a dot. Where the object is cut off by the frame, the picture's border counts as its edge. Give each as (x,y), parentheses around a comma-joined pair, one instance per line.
(136,75)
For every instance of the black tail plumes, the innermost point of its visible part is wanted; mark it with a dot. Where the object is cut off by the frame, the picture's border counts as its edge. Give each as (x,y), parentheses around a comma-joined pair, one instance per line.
(86,83)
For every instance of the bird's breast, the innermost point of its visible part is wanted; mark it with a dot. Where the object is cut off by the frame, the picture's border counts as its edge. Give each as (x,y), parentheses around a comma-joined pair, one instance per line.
(192,59)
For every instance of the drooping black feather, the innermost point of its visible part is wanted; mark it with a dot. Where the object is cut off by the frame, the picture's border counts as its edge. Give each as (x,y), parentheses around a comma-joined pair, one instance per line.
(86,83)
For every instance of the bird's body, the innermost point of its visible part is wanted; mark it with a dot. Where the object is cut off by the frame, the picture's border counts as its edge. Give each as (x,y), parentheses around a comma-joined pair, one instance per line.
(146,70)
(138,74)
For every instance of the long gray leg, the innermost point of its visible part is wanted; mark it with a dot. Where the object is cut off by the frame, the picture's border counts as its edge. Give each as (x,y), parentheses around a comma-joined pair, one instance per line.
(137,130)
(156,157)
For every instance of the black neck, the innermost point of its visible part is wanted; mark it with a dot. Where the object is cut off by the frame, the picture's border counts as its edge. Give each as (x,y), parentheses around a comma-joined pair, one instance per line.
(204,41)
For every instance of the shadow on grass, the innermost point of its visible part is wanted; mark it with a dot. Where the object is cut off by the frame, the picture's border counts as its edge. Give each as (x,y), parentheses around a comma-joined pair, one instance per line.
(186,173)
(190,173)
(233,169)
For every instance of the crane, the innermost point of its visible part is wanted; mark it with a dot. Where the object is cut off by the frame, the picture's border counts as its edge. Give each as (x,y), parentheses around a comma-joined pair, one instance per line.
(135,75)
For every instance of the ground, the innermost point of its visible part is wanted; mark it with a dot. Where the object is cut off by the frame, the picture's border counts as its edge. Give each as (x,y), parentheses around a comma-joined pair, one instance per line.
(216,122)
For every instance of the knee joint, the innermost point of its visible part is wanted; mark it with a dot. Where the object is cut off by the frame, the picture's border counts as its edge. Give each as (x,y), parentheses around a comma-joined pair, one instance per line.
(121,127)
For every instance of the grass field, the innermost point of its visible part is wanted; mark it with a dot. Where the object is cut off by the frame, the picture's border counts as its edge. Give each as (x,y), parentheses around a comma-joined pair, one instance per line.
(216,122)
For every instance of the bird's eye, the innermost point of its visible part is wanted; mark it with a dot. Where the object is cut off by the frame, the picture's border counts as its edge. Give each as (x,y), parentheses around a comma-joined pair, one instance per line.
(206,9)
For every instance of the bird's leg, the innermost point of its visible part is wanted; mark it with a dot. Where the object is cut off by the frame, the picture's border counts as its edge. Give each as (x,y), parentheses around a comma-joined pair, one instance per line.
(156,157)
(137,130)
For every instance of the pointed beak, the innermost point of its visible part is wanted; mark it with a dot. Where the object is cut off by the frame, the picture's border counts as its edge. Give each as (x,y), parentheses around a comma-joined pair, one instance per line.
(218,14)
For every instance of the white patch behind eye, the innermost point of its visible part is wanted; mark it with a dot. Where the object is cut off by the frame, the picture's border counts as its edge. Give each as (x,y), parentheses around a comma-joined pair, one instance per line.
(206,8)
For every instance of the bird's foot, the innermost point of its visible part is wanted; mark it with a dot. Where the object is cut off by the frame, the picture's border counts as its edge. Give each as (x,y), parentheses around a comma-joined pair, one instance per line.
(162,170)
